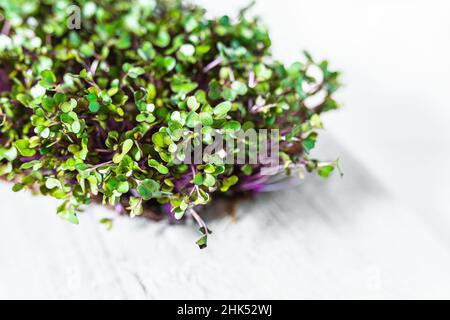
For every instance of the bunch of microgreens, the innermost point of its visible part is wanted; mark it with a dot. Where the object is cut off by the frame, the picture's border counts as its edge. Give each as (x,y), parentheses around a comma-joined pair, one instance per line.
(92,114)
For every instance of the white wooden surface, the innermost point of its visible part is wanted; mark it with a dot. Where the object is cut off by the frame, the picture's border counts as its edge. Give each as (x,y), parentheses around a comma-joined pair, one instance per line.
(381,232)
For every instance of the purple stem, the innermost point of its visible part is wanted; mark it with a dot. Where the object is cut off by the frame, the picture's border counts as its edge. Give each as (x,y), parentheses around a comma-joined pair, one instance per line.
(6,28)
(212,64)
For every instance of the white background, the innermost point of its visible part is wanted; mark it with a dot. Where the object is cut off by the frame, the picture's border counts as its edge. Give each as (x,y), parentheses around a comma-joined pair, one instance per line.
(381,232)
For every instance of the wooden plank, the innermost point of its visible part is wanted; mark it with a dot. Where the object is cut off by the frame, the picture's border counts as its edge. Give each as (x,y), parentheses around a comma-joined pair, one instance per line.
(343,238)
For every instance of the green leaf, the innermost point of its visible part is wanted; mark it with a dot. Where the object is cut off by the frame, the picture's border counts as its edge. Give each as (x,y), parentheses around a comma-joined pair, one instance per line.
(169,183)
(135,72)
(48,79)
(36,92)
(229,94)
(76,127)
(202,242)
(325,171)
(67,212)
(158,166)
(310,142)
(262,72)
(123,187)
(209,180)
(193,120)
(52,183)
(87,50)
(68,106)
(222,109)
(23,146)
(239,87)
(215,90)
(17,187)
(163,39)
(93,184)
(148,189)
(232,125)
(141,117)
(192,103)
(127,145)
(182,86)
(295,131)
(158,139)
(228,183)
(247,169)
(136,206)
(147,52)
(169,63)
(94,106)
(187,50)
(316,122)
(108,223)
(6,169)
(206,119)
(124,41)
(9,154)
(198,179)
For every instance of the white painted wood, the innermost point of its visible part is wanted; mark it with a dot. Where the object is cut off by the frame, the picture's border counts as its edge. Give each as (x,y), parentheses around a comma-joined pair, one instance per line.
(343,238)
(381,232)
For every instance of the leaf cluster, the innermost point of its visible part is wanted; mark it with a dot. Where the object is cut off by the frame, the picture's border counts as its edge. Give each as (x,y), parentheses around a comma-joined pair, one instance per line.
(96,113)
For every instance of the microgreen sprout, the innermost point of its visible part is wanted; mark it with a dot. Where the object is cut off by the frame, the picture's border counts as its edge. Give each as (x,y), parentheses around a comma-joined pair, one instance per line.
(99,113)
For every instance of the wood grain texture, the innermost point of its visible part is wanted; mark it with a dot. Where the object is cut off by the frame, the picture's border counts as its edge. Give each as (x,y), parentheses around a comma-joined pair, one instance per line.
(343,238)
